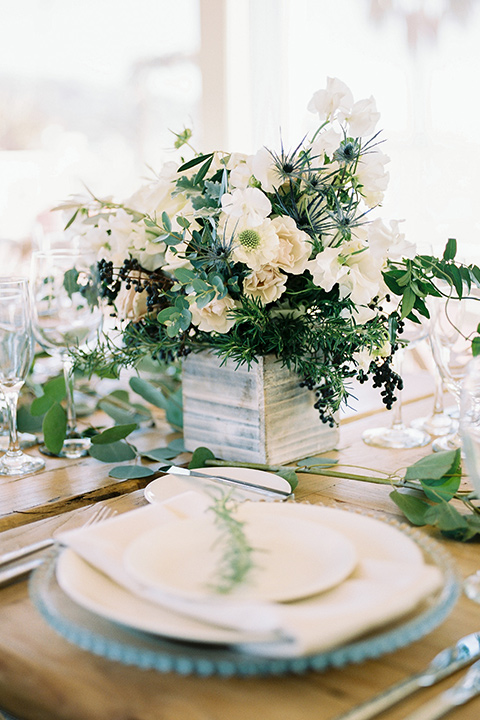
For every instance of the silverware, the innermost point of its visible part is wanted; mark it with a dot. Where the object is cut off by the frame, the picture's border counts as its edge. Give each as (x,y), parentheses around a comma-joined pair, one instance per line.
(460,693)
(8,574)
(271,493)
(448,661)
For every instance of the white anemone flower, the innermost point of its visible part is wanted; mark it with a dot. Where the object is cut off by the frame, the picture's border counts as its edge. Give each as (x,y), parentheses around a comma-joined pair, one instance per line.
(251,205)
(255,246)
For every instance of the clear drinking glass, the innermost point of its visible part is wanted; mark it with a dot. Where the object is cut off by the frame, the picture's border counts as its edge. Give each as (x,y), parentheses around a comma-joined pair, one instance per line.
(16,355)
(66,315)
(453,322)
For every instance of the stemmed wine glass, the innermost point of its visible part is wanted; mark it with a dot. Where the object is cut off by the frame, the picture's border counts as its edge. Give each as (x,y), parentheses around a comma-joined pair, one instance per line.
(66,315)
(453,322)
(16,355)
(399,435)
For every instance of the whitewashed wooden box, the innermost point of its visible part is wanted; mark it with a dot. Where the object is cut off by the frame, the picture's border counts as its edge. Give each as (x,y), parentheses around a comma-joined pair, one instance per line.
(259,415)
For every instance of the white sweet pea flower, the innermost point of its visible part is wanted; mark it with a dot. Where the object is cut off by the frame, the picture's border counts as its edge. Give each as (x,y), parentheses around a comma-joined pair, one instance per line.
(336,97)
(115,235)
(372,176)
(324,144)
(362,118)
(267,284)
(255,246)
(294,246)
(265,171)
(214,316)
(328,268)
(388,243)
(251,205)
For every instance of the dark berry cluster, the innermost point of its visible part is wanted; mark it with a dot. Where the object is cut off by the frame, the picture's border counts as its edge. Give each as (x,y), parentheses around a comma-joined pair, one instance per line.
(132,275)
(324,396)
(384,376)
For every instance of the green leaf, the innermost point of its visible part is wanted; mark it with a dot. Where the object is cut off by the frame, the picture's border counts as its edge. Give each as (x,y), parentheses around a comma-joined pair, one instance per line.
(450,249)
(203,171)
(149,392)
(290,476)
(413,508)
(447,518)
(317,462)
(196,161)
(113,452)
(26,422)
(55,388)
(184,275)
(199,458)
(167,223)
(128,472)
(441,490)
(174,411)
(476,346)
(177,446)
(434,466)
(70,281)
(163,454)
(408,301)
(41,405)
(55,428)
(111,435)
(166,314)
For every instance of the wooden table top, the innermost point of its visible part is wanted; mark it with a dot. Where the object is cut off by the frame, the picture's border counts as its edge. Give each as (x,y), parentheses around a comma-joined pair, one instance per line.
(44,677)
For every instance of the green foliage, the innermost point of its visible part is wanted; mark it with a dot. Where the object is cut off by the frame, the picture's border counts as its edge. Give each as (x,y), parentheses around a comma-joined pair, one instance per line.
(55,428)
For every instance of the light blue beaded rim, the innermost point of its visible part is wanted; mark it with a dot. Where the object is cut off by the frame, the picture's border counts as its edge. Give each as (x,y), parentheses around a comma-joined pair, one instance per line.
(131,647)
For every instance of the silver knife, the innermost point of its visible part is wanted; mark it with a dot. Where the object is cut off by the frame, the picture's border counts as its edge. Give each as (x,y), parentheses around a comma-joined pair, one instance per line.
(271,493)
(448,661)
(463,691)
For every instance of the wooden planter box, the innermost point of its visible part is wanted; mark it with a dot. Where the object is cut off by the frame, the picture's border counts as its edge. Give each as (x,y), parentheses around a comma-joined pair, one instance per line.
(260,415)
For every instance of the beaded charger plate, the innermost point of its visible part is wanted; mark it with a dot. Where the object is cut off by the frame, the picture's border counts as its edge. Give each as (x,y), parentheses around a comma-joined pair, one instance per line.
(124,644)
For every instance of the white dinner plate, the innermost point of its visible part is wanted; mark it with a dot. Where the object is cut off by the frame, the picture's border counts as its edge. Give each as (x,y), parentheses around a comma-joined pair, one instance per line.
(374,541)
(170,485)
(291,559)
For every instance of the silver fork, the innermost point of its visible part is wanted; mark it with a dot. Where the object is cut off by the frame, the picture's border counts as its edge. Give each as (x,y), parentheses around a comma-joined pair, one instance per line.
(19,571)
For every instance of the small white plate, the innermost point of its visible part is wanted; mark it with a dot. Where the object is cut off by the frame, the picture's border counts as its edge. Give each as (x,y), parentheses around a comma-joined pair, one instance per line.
(170,485)
(291,559)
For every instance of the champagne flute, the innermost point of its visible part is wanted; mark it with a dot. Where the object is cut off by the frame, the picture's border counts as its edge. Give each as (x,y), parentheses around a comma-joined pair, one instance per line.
(453,322)
(16,355)
(66,316)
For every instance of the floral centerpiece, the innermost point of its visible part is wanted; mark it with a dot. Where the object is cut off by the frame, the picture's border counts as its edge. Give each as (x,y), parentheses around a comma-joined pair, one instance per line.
(277,253)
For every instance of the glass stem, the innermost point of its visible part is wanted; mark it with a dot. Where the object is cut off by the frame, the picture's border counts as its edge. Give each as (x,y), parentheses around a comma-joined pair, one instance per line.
(71,416)
(397,422)
(438,406)
(11,400)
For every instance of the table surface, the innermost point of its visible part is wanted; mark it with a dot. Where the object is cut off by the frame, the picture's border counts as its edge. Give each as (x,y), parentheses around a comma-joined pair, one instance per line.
(44,677)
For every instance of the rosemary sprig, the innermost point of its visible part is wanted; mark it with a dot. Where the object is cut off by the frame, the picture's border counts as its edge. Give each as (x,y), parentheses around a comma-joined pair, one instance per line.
(236,562)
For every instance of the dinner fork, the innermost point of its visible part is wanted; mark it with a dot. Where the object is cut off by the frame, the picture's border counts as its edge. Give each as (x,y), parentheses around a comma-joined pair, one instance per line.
(19,571)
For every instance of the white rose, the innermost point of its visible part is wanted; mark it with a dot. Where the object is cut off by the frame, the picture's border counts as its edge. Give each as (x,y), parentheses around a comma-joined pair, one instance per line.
(267,284)
(294,247)
(336,97)
(255,246)
(251,205)
(214,316)
(372,176)
(131,305)
(362,118)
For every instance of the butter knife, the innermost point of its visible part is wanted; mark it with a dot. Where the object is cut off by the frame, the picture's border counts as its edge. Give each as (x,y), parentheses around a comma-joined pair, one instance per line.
(271,493)
(448,661)
(460,693)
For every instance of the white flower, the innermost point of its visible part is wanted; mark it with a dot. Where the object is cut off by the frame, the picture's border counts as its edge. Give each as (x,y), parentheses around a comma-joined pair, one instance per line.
(325,143)
(131,305)
(336,97)
(268,284)
(388,242)
(255,246)
(116,234)
(214,316)
(327,268)
(362,118)
(251,205)
(372,176)
(294,246)
(265,171)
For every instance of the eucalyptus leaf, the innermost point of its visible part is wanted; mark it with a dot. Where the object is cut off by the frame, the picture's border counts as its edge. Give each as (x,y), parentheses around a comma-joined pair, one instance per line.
(159,454)
(199,458)
(113,452)
(55,428)
(111,435)
(174,411)
(128,472)
(149,392)
(177,445)
(434,466)
(290,476)
(55,388)
(41,405)
(26,422)
(413,508)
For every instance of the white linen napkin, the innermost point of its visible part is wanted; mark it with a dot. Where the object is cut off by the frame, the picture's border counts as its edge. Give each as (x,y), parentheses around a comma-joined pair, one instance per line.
(390,580)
